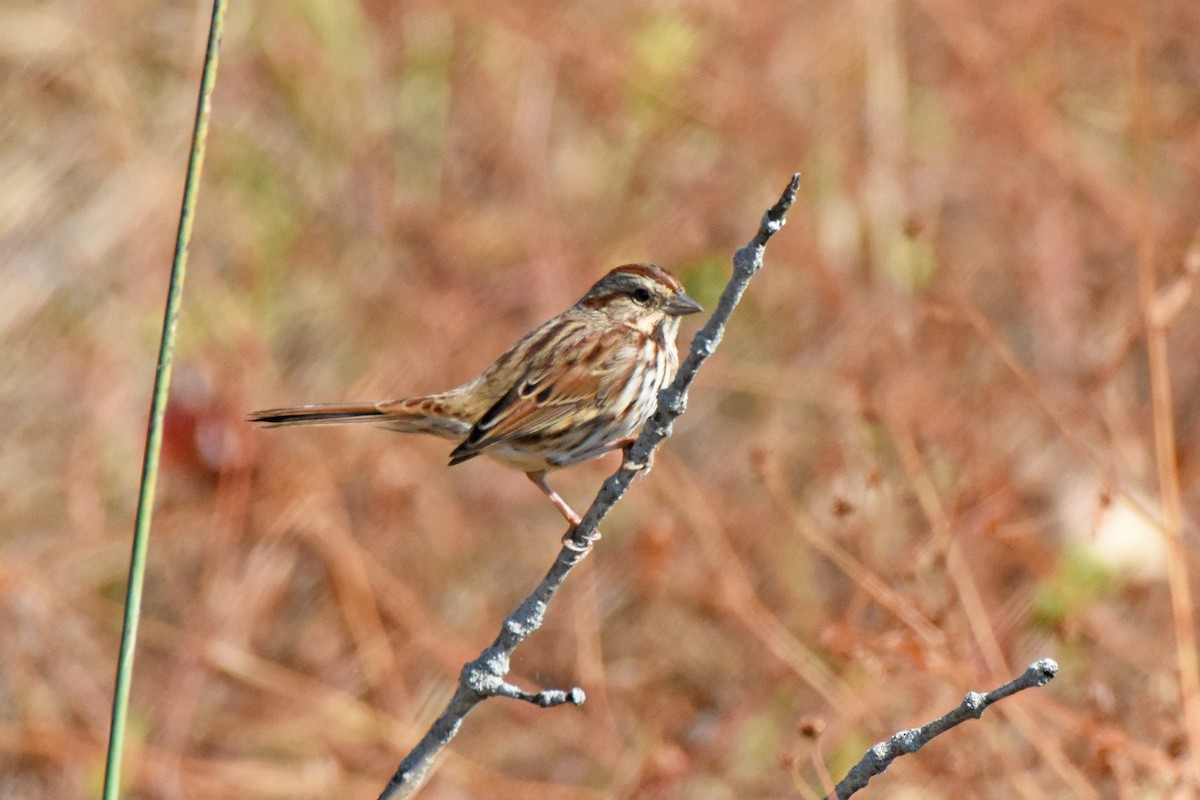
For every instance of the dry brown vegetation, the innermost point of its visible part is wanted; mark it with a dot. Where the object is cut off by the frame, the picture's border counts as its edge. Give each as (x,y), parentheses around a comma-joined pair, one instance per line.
(939,441)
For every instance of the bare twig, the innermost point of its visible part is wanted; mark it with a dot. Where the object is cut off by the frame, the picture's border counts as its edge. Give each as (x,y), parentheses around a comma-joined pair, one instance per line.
(485,676)
(880,757)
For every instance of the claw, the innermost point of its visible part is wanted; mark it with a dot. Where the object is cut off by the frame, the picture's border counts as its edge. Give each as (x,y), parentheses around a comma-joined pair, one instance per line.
(637,466)
(569,542)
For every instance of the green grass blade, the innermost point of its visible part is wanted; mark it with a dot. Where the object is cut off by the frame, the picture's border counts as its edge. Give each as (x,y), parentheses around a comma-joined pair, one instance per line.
(154,434)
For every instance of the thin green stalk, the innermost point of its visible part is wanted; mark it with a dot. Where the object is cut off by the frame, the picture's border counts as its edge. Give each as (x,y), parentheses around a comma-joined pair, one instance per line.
(158,405)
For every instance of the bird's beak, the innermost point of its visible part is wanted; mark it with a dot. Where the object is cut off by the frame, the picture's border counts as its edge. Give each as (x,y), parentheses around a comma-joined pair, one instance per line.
(681,304)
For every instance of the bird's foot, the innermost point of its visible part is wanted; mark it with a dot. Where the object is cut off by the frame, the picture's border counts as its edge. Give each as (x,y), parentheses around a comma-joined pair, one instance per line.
(641,467)
(568,541)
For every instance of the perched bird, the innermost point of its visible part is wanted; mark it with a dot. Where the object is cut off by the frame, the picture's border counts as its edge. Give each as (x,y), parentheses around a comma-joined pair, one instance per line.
(573,389)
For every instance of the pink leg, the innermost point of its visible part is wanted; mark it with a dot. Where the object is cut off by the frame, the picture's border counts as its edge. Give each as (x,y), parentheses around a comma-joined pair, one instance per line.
(539,479)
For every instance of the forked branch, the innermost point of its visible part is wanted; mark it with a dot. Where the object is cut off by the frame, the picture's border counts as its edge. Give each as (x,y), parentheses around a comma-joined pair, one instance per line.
(485,676)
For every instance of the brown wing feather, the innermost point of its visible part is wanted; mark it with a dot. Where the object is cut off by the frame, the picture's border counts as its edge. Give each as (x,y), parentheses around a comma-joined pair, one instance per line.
(556,387)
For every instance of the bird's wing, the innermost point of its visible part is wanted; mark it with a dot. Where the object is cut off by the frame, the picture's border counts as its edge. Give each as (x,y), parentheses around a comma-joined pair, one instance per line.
(566,385)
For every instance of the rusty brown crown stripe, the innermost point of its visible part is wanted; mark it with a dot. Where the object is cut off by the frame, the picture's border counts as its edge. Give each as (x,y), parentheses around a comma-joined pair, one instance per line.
(652,272)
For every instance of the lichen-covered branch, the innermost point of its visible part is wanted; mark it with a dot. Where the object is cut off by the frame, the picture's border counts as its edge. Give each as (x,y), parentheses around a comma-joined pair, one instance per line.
(880,757)
(485,676)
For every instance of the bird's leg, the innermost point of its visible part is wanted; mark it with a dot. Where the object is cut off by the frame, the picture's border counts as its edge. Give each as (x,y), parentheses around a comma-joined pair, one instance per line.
(539,479)
(644,468)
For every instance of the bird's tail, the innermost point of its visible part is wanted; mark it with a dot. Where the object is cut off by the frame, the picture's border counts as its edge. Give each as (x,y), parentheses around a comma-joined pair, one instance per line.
(441,415)
(320,414)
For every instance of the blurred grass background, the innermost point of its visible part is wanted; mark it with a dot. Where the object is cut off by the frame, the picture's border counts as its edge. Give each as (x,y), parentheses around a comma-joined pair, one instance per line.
(924,456)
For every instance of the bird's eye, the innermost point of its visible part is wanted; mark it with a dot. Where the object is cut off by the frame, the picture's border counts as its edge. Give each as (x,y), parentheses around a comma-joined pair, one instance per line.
(642,296)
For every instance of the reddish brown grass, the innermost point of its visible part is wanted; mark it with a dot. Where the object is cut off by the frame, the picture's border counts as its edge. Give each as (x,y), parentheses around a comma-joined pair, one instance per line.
(938,442)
